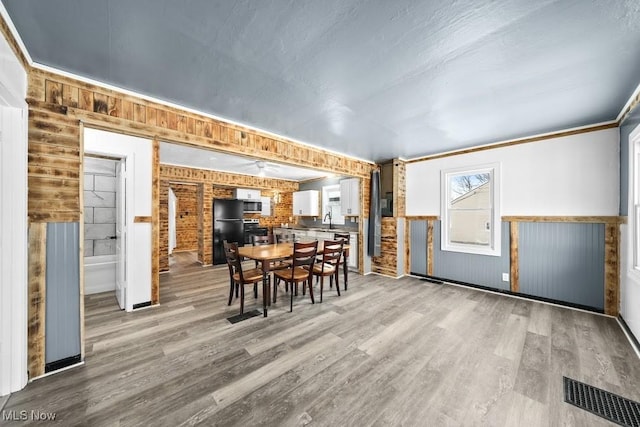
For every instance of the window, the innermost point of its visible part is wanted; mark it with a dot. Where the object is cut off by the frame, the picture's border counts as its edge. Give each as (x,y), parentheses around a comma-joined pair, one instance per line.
(331,204)
(470,210)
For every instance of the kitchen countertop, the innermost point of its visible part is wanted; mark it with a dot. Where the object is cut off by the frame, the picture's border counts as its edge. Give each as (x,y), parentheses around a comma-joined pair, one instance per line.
(336,230)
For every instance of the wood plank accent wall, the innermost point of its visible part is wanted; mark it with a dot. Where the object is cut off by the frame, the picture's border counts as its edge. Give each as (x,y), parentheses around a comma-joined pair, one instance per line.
(386,263)
(612,269)
(514,237)
(205,223)
(133,115)
(163,221)
(186,216)
(215,184)
(430,247)
(399,188)
(280,212)
(54,167)
(37,296)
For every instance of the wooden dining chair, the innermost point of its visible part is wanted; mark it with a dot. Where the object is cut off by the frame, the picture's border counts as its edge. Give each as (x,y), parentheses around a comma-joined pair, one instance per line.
(261,241)
(345,238)
(329,266)
(238,277)
(285,238)
(304,255)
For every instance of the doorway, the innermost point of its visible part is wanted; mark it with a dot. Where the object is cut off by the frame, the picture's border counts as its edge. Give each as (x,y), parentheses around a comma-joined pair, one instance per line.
(183,220)
(104,227)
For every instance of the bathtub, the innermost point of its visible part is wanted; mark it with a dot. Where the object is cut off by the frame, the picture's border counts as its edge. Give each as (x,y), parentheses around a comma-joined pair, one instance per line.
(99,274)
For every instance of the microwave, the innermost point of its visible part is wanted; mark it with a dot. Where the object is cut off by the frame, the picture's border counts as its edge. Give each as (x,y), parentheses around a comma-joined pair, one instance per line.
(252,206)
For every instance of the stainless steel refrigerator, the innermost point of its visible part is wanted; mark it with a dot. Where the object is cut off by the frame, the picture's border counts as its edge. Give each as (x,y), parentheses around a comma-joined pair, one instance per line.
(227,225)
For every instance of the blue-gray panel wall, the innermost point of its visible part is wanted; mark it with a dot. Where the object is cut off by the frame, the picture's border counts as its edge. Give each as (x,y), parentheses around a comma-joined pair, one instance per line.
(419,247)
(63,292)
(562,261)
(481,270)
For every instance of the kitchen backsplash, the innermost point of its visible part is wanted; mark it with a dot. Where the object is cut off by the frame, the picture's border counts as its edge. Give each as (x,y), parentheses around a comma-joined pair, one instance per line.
(311,223)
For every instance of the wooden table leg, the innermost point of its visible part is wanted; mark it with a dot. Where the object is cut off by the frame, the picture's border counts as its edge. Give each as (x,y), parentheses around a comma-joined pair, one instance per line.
(346,271)
(265,290)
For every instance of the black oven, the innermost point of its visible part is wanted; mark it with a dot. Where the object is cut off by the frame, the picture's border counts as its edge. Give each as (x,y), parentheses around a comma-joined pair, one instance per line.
(252,206)
(252,228)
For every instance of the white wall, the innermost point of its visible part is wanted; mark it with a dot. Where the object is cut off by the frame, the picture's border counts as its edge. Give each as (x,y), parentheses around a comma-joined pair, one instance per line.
(13,222)
(568,176)
(139,155)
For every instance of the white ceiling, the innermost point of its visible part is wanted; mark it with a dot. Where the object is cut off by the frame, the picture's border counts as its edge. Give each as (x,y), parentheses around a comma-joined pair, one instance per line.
(180,155)
(375,79)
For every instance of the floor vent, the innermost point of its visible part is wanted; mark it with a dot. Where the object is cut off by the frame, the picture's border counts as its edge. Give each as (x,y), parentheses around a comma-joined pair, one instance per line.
(240,317)
(607,405)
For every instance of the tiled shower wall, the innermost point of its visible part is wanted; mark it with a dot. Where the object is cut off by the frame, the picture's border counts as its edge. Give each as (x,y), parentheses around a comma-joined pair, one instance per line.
(99,206)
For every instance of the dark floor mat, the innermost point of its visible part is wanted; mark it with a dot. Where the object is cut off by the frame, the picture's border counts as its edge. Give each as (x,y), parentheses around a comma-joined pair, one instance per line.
(607,405)
(244,316)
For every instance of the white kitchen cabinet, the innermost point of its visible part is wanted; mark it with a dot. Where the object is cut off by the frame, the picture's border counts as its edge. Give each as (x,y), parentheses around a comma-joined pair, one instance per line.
(266,206)
(350,197)
(247,194)
(306,203)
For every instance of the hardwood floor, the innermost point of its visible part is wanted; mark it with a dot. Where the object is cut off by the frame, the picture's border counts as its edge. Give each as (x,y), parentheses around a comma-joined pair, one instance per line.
(387,352)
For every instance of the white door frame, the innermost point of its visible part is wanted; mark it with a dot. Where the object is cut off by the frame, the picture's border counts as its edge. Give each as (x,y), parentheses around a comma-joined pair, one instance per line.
(121,233)
(130,173)
(13,238)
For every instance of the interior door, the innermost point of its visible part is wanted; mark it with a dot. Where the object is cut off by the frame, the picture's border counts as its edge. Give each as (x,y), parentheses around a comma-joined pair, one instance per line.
(121,235)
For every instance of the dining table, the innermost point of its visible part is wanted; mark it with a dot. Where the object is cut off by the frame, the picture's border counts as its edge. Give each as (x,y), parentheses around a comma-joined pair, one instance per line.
(266,255)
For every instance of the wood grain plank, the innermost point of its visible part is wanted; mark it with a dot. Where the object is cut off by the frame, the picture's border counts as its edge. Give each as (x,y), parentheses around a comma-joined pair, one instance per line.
(100,103)
(611,269)
(37,298)
(580,219)
(86,100)
(127,110)
(70,95)
(513,256)
(139,113)
(53,91)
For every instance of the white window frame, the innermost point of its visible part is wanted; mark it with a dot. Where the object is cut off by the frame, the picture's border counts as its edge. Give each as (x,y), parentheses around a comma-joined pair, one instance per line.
(337,219)
(495,246)
(634,202)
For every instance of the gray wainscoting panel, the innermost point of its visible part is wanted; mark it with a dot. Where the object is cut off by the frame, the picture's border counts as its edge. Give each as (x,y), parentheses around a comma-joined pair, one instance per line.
(474,269)
(63,292)
(418,242)
(562,261)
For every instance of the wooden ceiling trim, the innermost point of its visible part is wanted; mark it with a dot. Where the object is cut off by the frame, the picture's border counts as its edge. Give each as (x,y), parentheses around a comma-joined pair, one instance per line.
(111,109)
(179,173)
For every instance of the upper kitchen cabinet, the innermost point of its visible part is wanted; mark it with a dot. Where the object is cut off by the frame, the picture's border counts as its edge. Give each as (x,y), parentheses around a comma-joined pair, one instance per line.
(305,203)
(247,194)
(266,206)
(350,197)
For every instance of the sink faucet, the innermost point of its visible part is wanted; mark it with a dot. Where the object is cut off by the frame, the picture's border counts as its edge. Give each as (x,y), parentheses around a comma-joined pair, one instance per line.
(325,217)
